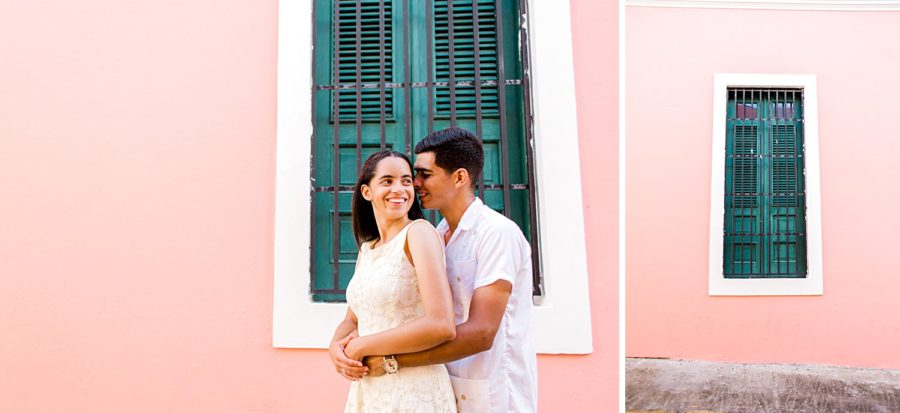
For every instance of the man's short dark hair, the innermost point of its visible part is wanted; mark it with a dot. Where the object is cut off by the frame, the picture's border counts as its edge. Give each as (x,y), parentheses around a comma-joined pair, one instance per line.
(455,148)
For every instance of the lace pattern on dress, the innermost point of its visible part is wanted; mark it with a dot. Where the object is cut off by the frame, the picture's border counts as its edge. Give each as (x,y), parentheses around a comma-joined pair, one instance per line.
(384,293)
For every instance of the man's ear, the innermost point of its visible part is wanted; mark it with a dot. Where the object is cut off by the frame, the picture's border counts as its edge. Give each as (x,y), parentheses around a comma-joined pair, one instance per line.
(366,192)
(461,177)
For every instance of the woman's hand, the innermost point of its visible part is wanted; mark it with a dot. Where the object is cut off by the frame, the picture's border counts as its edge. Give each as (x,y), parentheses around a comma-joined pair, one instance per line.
(355,349)
(347,367)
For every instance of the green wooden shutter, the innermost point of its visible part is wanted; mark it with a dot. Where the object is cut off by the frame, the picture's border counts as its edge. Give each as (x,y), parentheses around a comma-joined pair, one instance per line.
(489,38)
(336,32)
(405,24)
(742,203)
(764,228)
(787,221)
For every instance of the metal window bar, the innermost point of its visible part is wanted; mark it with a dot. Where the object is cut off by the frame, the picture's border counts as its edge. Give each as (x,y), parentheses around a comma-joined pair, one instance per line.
(336,172)
(381,79)
(501,91)
(358,108)
(349,188)
(755,240)
(396,85)
(385,82)
(750,255)
(770,211)
(476,50)
(429,28)
(765,234)
(775,208)
(451,44)
(780,172)
(738,200)
(407,80)
(537,268)
(312,145)
(800,182)
(730,252)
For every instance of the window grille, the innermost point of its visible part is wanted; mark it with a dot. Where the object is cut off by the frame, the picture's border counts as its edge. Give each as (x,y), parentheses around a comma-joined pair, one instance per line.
(765,199)
(387,73)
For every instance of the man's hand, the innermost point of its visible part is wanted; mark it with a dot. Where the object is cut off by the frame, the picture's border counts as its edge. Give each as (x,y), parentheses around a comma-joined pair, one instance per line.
(375,364)
(348,368)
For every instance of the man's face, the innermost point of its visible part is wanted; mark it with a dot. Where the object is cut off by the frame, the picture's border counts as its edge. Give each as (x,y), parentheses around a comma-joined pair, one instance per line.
(433,184)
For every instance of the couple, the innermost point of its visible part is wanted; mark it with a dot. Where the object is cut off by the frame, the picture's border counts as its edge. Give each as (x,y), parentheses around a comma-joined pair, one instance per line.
(406,325)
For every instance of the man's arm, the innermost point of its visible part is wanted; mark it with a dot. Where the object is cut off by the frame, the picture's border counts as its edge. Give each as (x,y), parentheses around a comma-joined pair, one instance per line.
(473,336)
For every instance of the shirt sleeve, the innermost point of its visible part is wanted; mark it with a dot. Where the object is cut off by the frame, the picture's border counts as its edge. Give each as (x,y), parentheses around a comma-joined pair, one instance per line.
(498,257)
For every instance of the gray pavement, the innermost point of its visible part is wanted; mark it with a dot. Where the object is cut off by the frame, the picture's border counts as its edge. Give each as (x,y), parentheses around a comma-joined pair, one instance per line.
(678,386)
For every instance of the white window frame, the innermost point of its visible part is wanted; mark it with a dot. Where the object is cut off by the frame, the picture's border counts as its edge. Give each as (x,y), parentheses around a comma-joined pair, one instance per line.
(562,317)
(813,283)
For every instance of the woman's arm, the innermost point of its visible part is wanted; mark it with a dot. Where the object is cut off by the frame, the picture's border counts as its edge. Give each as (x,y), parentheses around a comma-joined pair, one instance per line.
(345,366)
(347,325)
(437,324)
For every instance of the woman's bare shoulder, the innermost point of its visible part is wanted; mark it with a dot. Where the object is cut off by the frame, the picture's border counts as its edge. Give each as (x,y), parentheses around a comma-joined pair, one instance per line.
(421,232)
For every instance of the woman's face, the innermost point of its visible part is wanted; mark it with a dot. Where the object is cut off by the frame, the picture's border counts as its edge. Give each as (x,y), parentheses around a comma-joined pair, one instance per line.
(391,189)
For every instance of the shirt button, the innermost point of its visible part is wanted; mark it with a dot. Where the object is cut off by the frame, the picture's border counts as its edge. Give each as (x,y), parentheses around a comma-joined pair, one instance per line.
(462,397)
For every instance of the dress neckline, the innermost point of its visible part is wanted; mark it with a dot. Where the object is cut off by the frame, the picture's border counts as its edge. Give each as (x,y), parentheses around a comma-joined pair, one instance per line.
(373,248)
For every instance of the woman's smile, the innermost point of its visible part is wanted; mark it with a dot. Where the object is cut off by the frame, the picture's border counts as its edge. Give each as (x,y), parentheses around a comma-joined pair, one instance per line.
(397,200)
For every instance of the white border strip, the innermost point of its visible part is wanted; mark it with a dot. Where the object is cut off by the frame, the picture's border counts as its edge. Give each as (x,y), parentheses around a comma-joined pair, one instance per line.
(297,321)
(562,319)
(622,206)
(822,5)
(813,283)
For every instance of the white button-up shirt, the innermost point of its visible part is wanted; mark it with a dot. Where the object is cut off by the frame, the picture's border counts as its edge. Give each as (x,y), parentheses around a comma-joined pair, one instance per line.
(485,248)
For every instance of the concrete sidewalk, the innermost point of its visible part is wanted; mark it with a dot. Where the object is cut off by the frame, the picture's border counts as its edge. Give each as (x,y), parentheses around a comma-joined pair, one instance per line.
(680,386)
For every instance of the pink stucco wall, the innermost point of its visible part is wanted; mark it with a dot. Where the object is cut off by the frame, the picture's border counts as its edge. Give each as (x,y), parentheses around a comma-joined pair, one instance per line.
(671,57)
(136,212)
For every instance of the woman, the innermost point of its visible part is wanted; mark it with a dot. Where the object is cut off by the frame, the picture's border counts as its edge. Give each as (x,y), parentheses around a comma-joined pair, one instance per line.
(399,298)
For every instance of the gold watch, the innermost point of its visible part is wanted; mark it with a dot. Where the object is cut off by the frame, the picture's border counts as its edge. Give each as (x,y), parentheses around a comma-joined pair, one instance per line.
(390,365)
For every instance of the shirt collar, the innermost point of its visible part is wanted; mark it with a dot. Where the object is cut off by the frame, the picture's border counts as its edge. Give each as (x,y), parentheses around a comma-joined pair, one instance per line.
(467,220)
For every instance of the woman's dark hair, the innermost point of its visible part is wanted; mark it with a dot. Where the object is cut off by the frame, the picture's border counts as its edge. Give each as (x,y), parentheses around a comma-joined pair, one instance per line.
(364,226)
(455,148)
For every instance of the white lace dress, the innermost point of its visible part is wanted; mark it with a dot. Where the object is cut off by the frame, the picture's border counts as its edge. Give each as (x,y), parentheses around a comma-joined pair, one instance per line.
(384,293)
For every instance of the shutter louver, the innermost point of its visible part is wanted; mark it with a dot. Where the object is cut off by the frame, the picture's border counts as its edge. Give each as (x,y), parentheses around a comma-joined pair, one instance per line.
(464,56)
(746,150)
(784,166)
(370,57)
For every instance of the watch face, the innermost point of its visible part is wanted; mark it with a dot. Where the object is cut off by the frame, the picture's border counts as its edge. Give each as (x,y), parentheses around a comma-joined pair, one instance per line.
(390,365)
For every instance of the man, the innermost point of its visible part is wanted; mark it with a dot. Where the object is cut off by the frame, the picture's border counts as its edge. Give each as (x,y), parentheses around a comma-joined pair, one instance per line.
(492,359)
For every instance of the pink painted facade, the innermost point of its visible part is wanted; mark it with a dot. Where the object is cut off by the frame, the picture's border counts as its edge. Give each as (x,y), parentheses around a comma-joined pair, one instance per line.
(136,239)
(672,56)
